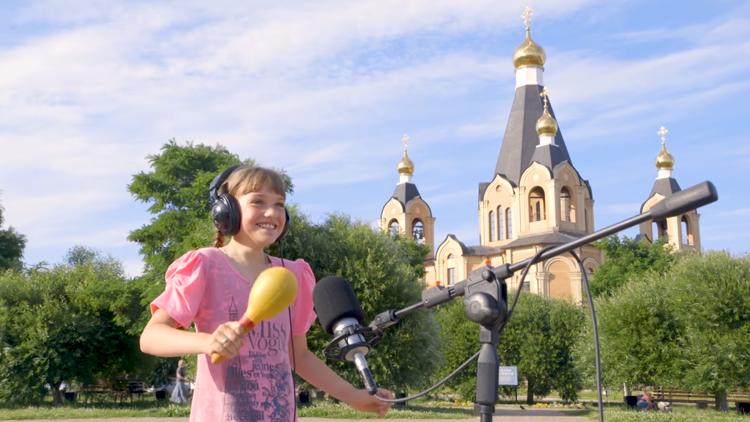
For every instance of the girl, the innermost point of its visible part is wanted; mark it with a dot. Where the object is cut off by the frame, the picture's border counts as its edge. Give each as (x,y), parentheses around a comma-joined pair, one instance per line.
(209,287)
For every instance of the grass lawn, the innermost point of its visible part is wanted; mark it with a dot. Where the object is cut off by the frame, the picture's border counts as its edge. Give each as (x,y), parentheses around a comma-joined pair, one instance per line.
(680,413)
(152,408)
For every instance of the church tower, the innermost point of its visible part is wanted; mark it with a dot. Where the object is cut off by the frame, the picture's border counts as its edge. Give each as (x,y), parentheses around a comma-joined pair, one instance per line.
(406,213)
(679,232)
(535,197)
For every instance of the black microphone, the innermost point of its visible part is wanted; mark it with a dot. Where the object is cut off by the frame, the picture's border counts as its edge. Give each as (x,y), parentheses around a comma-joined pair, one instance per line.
(340,314)
(684,200)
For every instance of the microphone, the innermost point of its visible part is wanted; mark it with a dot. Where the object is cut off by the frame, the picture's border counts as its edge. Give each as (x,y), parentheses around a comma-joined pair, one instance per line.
(684,200)
(273,291)
(341,315)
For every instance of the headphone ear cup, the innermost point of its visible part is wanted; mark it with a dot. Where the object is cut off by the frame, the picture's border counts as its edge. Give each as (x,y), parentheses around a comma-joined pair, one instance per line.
(226,215)
(287,223)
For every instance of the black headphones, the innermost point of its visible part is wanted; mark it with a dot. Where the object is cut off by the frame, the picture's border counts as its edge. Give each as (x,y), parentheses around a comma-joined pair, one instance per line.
(225,211)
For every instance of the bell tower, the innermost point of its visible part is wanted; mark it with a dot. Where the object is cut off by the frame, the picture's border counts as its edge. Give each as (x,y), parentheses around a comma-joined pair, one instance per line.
(406,213)
(680,232)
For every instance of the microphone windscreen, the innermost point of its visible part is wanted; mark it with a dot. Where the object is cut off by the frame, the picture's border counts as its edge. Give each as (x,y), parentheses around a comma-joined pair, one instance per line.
(334,299)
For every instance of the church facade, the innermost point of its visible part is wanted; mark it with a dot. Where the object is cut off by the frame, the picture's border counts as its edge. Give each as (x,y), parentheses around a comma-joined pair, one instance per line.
(535,198)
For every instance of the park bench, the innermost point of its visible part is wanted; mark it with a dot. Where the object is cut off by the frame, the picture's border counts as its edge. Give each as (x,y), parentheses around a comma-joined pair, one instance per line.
(136,388)
(94,392)
(741,399)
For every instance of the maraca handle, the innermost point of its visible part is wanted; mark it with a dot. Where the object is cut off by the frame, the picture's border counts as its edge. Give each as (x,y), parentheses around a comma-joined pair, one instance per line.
(246,325)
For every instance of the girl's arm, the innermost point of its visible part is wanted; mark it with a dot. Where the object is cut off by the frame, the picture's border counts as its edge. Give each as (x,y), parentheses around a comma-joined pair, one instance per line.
(161,337)
(315,371)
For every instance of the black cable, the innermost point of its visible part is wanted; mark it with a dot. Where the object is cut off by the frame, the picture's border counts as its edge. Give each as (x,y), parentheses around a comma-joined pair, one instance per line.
(472,358)
(597,358)
(434,386)
(520,285)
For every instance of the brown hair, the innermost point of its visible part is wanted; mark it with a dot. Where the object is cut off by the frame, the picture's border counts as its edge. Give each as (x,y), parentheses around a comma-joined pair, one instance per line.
(246,179)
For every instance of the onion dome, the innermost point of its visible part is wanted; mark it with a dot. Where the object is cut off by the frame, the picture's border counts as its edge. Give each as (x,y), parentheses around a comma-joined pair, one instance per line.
(528,53)
(405,167)
(546,125)
(664,161)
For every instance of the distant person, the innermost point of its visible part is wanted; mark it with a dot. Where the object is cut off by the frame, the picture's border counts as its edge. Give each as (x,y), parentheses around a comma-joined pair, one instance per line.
(181,388)
(209,288)
(645,402)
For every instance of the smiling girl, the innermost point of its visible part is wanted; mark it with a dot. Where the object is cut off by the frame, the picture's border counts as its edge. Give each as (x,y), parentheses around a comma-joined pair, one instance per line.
(209,288)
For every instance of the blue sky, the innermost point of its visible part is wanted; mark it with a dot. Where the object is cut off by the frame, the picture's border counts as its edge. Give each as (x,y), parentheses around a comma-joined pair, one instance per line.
(325,90)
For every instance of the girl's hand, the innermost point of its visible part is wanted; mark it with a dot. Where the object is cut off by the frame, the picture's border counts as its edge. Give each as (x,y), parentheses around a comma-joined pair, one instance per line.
(363,401)
(226,340)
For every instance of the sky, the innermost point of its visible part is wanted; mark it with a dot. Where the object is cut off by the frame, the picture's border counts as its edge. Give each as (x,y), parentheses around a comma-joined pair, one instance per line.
(326,89)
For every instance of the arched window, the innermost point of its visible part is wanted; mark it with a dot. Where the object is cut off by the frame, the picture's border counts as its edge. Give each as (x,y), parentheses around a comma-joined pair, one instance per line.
(536,205)
(508,224)
(660,230)
(418,230)
(567,209)
(491,221)
(394,228)
(500,231)
(451,273)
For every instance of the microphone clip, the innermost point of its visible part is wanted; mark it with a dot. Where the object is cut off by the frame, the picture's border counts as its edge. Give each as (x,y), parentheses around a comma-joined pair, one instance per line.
(352,339)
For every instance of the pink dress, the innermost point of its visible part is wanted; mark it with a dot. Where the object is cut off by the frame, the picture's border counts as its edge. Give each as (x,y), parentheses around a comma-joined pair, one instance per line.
(203,287)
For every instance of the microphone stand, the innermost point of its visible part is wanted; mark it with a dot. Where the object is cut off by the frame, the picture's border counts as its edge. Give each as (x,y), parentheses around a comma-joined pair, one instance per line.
(487,297)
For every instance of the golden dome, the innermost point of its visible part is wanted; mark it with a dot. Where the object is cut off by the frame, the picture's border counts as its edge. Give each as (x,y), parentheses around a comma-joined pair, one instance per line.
(405,166)
(546,125)
(528,53)
(664,161)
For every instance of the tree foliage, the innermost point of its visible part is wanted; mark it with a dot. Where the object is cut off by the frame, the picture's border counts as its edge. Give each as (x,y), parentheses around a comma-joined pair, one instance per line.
(384,273)
(711,296)
(177,190)
(639,334)
(687,328)
(12,244)
(539,339)
(626,259)
(68,323)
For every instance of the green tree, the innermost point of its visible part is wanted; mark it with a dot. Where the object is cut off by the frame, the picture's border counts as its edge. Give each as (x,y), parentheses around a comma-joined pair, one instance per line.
(177,190)
(626,259)
(539,339)
(711,296)
(12,244)
(639,333)
(68,323)
(384,273)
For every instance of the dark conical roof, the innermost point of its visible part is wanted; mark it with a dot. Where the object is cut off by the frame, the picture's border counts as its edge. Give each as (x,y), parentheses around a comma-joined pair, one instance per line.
(520,141)
(664,187)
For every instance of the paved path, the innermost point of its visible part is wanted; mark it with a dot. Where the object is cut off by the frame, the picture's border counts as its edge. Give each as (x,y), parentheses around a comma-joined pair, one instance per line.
(502,415)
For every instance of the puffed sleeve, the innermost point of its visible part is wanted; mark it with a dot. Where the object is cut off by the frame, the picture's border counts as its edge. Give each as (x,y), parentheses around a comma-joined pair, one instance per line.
(183,293)
(303,314)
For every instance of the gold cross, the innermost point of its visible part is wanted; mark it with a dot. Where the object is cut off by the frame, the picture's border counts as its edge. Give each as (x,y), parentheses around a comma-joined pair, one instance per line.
(405,139)
(526,15)
(663,134)
(544,94)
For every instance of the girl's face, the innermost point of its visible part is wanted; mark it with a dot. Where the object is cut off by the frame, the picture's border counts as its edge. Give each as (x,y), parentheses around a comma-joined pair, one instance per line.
(263,217)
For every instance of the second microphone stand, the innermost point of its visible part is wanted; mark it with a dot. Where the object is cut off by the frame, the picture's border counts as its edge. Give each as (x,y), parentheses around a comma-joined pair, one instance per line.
(486,301)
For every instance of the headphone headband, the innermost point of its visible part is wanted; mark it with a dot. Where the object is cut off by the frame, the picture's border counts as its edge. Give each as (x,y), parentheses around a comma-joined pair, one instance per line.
(213,188)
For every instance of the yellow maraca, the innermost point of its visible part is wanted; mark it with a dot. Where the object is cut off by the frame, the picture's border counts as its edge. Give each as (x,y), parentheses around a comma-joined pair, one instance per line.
(273,290)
